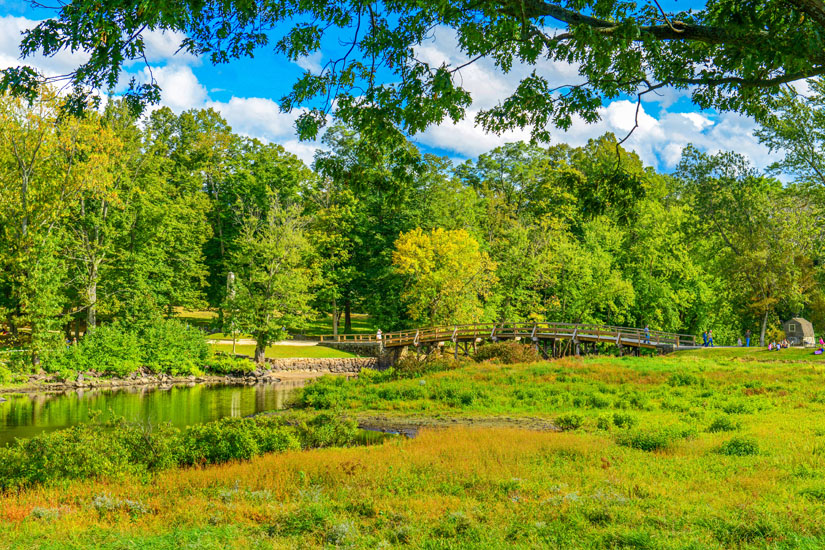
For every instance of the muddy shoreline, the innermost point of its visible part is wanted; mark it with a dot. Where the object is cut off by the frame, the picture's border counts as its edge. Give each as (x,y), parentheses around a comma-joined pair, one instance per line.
(411,425)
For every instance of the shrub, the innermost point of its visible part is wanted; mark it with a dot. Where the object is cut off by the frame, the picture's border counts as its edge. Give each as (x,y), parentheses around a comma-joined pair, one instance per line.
(225,363)
(507,353)
(624,420)
(121,448)
(326,392)
(570,421)
(79,452)
(722,424)
(597,401)
(234,439)
(682,379)
(735,407)
(168,345)
(740,446)
(647,440)
(411,366)
(326,430)
(108,349)
(163,345)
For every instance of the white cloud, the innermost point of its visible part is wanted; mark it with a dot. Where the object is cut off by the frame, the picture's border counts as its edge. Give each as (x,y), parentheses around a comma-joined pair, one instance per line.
(180,88)
(261,118)
(311,62)
(164,47)
(11,31)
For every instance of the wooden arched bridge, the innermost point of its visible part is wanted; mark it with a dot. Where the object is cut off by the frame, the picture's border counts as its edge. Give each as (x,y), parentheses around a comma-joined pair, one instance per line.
(551,339)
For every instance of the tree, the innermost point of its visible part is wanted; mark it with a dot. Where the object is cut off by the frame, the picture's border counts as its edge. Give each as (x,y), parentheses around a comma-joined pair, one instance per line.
(335,237)
(796,128)
(386,179)
(95,226)
(46,163)
(764,231)
(448,277)
(270,260)
(731,55)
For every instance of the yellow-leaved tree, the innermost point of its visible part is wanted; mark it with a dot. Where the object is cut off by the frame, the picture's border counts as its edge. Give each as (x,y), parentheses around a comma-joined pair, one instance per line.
(448,278)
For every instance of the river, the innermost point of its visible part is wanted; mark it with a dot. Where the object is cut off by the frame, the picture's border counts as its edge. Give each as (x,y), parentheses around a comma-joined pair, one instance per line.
(26,415)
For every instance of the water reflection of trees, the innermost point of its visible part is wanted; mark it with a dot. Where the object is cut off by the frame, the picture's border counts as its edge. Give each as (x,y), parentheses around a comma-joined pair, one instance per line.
(27,415)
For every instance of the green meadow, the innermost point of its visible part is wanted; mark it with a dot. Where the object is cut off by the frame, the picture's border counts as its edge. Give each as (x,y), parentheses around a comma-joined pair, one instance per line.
(694,450)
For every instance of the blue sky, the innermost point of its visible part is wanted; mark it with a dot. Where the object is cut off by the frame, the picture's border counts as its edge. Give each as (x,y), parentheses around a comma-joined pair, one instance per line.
(246,92)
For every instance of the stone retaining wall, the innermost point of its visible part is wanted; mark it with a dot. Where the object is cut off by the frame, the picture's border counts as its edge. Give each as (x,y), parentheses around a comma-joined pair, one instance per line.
(333,365)
(362,349)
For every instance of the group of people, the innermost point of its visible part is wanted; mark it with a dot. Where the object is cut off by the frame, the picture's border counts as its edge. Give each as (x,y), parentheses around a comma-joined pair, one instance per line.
(776,346)
(707,338)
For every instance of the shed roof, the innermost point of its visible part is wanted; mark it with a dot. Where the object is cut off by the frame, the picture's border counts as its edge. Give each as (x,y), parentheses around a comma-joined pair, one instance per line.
(807,327)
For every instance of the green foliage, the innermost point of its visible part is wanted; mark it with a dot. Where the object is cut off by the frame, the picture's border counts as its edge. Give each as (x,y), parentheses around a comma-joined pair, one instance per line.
(325,393)
(162,345)
(722,424)
(652,439)
(235,439)
(109,349)
(411,366)
(447,277)
(172,347)
(624,420)
(327,430)
(567,422)
(726,58)
(740,446)
(225,363)
(270,263)
(507,353)
(119,448)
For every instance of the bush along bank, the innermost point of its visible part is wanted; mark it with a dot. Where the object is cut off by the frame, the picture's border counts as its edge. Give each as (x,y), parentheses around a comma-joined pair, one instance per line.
(121,448)
(159,346)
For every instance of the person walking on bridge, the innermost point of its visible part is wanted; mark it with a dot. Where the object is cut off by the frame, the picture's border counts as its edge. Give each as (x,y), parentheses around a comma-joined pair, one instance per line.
(647,334)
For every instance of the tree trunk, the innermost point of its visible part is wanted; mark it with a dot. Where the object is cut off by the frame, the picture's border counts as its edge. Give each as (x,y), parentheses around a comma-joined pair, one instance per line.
(260,351)
(91,311)
(764,327)
(335,317)
(77,328)
(347,317)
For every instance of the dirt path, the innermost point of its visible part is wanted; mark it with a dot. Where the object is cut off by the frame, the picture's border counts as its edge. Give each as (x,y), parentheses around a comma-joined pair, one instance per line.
(251,342)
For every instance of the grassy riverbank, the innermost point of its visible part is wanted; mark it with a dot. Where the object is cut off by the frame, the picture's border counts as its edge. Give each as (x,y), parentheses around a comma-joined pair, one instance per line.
(658,453)
(285,351)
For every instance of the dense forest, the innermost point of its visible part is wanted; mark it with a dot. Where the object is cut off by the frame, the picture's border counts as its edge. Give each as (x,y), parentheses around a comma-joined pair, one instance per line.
(107,218)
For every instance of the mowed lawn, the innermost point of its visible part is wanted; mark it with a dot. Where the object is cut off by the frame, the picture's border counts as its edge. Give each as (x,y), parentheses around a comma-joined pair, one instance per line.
(322,325)
(285,351)
(361,324)
(660,453)
(755,354)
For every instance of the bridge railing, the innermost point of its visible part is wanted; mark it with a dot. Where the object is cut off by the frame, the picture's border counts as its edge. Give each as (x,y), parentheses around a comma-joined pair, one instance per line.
(529,330)
(348,338)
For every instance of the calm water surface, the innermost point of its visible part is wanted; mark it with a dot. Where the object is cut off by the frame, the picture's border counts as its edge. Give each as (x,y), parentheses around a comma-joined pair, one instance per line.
(30,414)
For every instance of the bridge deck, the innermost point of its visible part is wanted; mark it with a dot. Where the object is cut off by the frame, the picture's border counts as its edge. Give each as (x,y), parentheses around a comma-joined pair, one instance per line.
(625,336)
